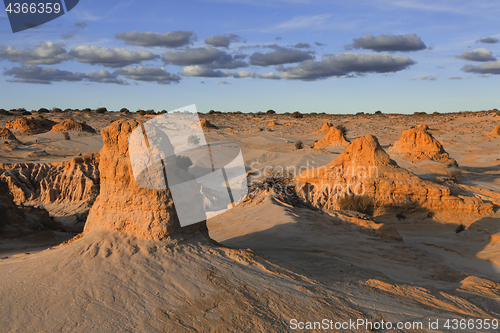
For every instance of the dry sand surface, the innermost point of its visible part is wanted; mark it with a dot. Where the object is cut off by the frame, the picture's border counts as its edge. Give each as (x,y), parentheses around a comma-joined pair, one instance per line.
(272,259)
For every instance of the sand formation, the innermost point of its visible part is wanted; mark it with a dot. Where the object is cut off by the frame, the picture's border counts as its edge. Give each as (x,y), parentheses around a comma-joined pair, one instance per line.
(30,125)
(203,123)
(325,128)
(334,137)
(71,125)
(123,205)
(6,135)
(495,132)
(272,124)
(365,168)
(63,188)
(416,143)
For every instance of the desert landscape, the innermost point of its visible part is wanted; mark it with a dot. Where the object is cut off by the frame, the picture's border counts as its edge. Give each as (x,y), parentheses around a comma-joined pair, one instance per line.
(352,223)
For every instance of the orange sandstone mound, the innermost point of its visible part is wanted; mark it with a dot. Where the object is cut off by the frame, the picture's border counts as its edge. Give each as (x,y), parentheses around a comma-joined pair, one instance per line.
(325,128)
(418,144)
(334,137)
(124,206)
(30,125)
(364,168)
(205,124)
(6,134)
(272,123)
(495,132)
(71,125)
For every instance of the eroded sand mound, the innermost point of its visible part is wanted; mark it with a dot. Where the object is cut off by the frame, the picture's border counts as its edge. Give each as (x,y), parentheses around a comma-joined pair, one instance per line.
(325,128)
(365,168)
(418,144)
(30,125)
(495,132)
(334,137)
(6,134)
(71,125)
(272,124)
(123,205)
(205,124)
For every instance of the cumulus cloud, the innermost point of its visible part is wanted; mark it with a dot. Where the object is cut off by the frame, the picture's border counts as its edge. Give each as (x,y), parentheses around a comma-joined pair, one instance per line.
(200,71)
(148,74)
(166,39)
(302,45)
(45,53)
(222,40)
(118,57)
(270,76)
(244,74)
(492,67)
(345,63)
(207,56)
(481,54)
(455,78)
(428,78)
(43,75)
(103,76)
(380,43)
(280,55)
(319,44)
(488,40)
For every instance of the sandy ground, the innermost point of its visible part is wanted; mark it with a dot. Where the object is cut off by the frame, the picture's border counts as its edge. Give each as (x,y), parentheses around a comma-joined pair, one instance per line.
(300,262)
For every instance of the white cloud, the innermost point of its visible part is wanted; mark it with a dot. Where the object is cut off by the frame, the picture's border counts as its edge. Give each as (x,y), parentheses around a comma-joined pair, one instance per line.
(118,57)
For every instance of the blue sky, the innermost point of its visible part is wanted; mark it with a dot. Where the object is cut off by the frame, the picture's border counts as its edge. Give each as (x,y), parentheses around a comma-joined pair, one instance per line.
(397,56)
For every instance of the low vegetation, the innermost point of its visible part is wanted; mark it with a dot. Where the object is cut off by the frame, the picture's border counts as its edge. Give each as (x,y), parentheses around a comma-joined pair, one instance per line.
(358,203)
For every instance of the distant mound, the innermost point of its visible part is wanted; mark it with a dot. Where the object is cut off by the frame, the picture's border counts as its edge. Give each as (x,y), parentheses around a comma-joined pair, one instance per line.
(205,124)
(71,125)
(30,125)
(271,124)
(495,132)
(417,143)
(6,134)
(364,168)
(334,137)
(325,128)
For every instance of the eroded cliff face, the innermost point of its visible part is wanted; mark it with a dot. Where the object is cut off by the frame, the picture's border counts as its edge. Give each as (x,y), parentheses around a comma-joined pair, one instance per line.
(66,189)
(124,206)
(364,168)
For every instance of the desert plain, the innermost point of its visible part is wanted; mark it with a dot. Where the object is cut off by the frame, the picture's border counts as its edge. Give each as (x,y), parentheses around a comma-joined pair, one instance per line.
(378,218)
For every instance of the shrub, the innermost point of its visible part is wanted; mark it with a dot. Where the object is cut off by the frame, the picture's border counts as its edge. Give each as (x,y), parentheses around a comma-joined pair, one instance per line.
(67,110)
(141,112)
(277,182)
(66,136)
(455,176)
(460,228)
(43,110)
(163,112)
(124,110)
(271,112)
(400,216)
(101,110)
(297,115)
(378,112)
(358,203)
(87,110)
(299,145)
(56,110)
(342,129)
(211,112)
